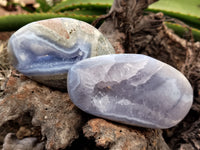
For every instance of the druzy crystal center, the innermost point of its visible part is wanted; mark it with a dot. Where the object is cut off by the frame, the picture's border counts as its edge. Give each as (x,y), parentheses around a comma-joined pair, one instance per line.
(132,89)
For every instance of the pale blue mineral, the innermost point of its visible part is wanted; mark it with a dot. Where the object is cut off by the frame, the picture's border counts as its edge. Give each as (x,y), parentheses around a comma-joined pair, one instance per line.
(45,50)
(132,89)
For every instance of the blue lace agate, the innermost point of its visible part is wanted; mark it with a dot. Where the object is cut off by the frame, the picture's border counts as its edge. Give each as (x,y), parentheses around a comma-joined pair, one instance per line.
(132,89)
(45,50)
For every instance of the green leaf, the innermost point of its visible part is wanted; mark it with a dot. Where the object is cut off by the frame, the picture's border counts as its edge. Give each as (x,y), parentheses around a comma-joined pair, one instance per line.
(44,7)
(14,22)
(90,12)
(87,4)
(188,7)
(186,10)
(181,31)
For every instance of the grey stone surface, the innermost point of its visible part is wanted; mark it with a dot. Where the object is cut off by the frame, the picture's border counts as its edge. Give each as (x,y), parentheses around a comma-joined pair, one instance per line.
(12,143)
(45,50)
(132,89)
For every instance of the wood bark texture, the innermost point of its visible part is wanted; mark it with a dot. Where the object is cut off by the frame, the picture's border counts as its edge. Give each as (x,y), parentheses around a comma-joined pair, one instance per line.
(36,117)
(132,32)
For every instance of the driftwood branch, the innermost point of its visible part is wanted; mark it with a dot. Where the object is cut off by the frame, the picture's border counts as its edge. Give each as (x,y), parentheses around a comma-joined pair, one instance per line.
(28,109)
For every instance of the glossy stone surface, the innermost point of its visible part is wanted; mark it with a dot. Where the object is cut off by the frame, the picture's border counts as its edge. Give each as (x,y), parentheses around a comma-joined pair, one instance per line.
(132,89)
(45,50)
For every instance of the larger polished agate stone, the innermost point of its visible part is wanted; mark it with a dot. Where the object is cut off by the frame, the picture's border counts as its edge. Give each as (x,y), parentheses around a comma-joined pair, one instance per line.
(45,50)
(132,89)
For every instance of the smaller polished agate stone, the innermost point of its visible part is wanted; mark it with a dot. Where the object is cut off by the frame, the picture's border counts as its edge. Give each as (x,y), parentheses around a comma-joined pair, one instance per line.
(132,89)
(45,50)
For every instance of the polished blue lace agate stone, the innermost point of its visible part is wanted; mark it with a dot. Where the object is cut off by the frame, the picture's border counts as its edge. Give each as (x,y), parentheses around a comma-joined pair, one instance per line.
(132,89)
(45,50)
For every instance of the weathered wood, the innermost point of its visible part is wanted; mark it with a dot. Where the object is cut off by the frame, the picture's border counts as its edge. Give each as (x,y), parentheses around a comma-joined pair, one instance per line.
(24,113)
(122,137)
(131,32)
(29,104)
